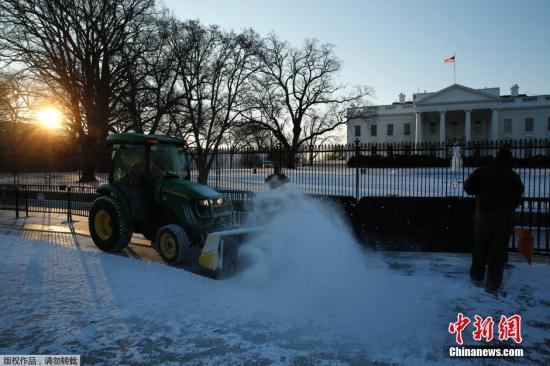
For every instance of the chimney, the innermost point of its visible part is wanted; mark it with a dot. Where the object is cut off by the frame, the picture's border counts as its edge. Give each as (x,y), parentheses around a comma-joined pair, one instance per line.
(514,90)
(401,98)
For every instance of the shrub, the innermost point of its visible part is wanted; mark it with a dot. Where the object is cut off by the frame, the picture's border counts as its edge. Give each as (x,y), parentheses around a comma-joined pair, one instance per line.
(413,161)
(397,161)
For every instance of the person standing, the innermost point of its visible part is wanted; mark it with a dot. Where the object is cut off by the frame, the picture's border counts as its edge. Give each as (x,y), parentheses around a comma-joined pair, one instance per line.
(277,179)
(498,191)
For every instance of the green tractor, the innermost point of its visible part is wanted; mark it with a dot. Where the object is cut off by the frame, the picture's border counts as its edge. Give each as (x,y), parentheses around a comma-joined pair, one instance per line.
(150,192)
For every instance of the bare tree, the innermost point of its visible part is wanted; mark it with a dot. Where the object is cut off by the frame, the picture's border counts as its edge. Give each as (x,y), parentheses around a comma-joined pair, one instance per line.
(213,73)
(319,120)
(17,95)
(246,135)
(152,97)
(296,84)
(80,49)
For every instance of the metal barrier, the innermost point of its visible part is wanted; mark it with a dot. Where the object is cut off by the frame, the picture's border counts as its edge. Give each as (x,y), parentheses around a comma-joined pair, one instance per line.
(441,224)
(534,215)
(242,203)
(77,200)
(416,224)
(47,198)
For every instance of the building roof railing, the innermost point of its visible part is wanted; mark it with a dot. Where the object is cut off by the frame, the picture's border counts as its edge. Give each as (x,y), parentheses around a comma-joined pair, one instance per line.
(507,100)
(525,100)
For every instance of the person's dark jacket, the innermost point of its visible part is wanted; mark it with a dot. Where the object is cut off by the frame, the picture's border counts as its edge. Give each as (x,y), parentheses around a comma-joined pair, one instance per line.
(276,180)
(496,186)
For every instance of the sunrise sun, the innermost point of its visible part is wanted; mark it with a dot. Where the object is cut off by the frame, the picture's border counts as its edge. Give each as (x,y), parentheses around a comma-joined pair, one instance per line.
(50,117)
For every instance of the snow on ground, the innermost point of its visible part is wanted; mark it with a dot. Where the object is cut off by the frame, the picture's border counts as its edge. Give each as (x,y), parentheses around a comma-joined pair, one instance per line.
(334,179)
(310,295)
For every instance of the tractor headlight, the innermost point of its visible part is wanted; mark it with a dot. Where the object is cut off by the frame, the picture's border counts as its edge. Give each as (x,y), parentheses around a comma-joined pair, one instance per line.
(204,203)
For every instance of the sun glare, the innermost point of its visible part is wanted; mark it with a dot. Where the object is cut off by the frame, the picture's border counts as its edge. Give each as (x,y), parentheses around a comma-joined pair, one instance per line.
(50,117)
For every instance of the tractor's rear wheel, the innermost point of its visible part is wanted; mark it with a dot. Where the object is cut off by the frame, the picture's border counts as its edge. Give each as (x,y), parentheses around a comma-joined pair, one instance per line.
(172,243)
(109,228)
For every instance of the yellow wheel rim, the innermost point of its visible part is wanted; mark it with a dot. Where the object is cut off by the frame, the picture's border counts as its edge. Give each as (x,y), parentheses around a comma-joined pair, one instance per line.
(102,224)
(168,245)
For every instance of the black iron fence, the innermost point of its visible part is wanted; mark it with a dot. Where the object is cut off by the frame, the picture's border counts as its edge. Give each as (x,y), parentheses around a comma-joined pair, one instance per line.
(358,170)
(371,170)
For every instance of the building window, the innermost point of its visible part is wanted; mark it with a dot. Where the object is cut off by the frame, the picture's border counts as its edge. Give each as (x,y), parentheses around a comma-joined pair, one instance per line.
(528,124)
(407,129)
(432,128)
(373,130)
(389,129)
(357,131)
(507,125)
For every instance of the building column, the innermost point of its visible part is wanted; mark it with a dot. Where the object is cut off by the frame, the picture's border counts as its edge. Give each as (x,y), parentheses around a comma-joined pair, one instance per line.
(442,127)
(418,128)
(494,124)
(468,126)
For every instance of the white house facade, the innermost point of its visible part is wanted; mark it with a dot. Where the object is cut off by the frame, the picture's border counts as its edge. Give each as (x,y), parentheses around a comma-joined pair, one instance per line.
(454,114)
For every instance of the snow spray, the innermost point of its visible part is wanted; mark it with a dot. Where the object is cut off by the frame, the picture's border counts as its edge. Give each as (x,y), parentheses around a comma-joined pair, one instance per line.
(307,266)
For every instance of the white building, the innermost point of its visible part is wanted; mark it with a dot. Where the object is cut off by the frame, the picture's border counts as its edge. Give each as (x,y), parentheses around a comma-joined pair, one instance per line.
(456,113)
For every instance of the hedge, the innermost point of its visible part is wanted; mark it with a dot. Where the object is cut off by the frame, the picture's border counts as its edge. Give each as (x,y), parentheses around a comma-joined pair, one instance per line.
(414,161)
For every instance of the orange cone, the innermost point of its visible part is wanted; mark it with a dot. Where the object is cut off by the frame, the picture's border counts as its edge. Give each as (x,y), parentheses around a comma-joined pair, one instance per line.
(525,244)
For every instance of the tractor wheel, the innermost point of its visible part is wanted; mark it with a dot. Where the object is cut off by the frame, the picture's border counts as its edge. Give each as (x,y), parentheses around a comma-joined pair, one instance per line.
(172,243)
(108,226)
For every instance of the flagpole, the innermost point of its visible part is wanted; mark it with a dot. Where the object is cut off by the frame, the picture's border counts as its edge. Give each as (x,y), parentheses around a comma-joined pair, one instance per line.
(454,66)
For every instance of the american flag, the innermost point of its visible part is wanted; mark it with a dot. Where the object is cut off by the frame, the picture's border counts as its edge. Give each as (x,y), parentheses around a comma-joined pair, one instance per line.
(448,60)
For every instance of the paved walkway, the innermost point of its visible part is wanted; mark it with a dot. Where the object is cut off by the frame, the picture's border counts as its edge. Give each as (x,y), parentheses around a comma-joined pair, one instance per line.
(54,228)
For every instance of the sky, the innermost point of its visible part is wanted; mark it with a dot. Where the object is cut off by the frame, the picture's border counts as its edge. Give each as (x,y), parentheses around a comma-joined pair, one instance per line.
(399,46)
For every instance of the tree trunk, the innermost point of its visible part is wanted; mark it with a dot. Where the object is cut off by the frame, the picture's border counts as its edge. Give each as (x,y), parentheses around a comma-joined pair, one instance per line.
(203,175)
(203,167)
(290,157)
(88,160)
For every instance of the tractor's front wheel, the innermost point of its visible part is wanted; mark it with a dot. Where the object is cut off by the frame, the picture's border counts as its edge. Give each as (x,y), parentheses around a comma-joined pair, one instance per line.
(109,228)
(172,243)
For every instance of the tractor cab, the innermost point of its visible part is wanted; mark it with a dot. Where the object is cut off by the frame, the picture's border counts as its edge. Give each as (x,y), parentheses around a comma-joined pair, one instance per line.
(140,167)
(142,164)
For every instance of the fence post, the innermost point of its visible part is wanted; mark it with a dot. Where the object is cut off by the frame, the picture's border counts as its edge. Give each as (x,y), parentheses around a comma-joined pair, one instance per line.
(26,201)
(357,154)
(17,200)
(69,215)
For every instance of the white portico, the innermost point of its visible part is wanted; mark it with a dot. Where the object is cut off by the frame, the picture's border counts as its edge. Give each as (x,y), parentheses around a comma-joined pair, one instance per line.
(455,113)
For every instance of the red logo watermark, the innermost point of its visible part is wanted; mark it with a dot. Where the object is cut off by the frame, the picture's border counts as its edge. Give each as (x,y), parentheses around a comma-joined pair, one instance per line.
(508,328)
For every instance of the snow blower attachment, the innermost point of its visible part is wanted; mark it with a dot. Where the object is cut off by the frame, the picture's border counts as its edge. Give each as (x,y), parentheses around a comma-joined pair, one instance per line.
(150,192)
(220,251)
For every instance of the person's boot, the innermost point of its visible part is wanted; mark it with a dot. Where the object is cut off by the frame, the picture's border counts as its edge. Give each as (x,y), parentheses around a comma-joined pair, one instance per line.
(492,288)
(476,276)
